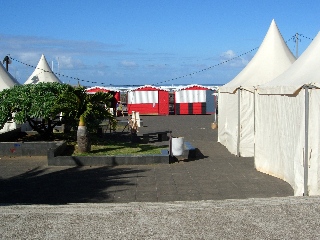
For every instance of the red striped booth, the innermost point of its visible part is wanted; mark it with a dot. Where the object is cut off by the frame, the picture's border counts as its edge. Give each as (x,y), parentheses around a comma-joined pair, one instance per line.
(194,99)
(148,100)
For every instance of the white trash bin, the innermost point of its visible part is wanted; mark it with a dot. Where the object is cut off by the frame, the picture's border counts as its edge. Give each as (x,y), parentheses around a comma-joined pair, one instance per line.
(177,144)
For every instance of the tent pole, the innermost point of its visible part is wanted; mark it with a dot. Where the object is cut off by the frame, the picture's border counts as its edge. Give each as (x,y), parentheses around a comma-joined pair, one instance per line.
(254,123)
(297,41)
(238,139)
(215,95)
(305,162)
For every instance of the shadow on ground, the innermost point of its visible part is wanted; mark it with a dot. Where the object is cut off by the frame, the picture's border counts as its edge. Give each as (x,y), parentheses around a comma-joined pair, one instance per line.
(72,185)
(190,158)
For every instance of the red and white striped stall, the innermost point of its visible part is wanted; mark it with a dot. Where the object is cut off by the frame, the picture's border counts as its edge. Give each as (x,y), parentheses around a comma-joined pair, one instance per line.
(115,92)
(194,99)
(148,100)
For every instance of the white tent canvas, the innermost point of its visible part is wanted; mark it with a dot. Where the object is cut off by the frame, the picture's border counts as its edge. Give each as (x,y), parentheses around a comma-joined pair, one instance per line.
(236,98)
(42,73)
(287,120)
(6,79)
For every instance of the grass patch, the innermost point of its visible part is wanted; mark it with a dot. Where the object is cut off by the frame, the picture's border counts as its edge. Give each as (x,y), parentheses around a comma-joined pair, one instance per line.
(112,148)
(109,144)
(113,144)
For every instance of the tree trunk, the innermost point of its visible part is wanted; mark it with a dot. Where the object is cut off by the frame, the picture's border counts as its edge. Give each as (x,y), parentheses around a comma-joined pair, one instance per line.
(83,138)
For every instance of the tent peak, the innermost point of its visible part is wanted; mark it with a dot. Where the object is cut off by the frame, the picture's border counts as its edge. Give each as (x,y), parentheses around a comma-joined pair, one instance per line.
(272,58)
(273,24)
(42,73)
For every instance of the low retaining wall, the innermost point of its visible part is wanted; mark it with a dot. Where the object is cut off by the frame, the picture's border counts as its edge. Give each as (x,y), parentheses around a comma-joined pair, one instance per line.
(18,149)
(53,151)
(107,160)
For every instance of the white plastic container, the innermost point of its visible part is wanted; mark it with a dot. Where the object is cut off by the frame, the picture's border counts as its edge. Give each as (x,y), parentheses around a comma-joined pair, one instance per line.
(177,145)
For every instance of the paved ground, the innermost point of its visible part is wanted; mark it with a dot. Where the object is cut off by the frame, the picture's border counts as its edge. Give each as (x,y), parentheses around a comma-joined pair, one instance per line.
(215,175)
(185,200)
(274,218)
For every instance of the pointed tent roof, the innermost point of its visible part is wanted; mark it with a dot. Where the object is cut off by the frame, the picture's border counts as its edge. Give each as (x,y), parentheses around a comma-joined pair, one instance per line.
(304,71)
(42,73)
(272,58)
(6,79)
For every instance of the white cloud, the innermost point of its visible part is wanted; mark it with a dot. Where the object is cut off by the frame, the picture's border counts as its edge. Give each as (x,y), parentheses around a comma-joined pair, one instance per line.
(229,54)
(65,61)
(68,62)
(29,48)
(100,73)
(157,66)
(229,58)
(128,64)
(28,57)
(95,61)
(50,44)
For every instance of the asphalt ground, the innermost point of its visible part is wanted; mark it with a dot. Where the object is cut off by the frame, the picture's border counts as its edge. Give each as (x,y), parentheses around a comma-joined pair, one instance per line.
(214,175)
(215,196)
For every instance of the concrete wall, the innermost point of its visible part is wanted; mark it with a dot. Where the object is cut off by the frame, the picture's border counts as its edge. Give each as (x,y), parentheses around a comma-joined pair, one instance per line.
(27,148)
(108,160)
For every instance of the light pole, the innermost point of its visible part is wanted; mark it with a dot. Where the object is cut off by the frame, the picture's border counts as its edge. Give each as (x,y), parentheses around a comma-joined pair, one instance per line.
(7,60)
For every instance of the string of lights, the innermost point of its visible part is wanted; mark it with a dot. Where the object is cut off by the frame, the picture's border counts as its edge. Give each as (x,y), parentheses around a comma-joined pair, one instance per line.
(301,35)
(169,80)
(298,37)
(208,68)
(294,38)
(58,74)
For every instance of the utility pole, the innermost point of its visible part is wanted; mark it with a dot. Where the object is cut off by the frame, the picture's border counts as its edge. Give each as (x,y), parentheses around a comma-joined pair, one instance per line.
(58,66)
(297,40)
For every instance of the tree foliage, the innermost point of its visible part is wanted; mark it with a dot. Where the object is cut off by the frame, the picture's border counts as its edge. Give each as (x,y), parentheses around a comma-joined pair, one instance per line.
(45,101)
(89,110)
(86,109)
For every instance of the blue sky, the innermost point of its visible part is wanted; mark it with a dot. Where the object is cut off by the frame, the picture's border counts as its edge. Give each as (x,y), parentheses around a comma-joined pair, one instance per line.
(126,42)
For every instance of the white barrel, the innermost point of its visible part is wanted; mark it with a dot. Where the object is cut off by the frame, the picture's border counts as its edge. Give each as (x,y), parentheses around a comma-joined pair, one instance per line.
(177,146)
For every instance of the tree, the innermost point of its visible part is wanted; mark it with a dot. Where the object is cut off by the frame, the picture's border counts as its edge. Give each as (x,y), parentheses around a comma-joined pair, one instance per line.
(89,110)
(45,101)
(31,103)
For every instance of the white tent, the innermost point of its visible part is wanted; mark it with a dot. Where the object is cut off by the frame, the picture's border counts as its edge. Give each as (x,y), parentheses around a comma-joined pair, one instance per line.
(236,98)
(42,73)
(287,137)
(6,79)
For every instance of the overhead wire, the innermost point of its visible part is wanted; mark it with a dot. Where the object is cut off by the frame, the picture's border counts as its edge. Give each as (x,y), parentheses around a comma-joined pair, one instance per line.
(294,38)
